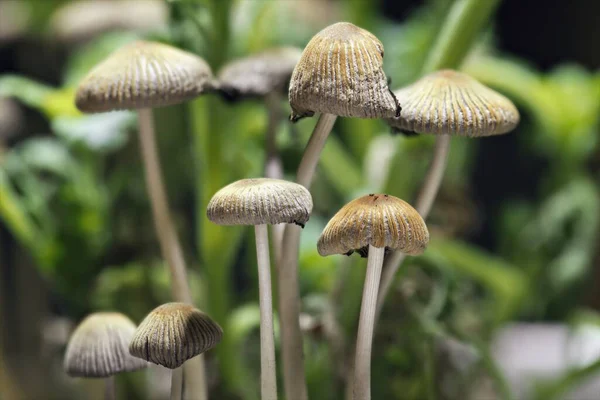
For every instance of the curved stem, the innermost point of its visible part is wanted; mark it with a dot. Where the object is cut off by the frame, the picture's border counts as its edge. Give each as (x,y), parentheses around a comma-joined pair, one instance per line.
(289,298)
(110,388)
(268,379)
(177,384)
(167,235)
(366,323)
(423,205)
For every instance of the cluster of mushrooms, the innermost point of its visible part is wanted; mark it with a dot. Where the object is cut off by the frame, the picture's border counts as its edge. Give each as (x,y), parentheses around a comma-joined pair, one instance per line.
(339,73)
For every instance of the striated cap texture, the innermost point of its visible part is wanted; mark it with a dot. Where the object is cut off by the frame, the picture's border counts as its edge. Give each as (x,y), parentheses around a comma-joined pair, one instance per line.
(259,74)
(143,75)
(99,347)
(260,201)
(379,220)
(341,72)
(173,333)
(453,103)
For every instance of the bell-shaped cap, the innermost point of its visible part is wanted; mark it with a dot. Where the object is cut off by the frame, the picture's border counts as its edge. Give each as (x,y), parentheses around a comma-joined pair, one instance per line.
(259,74)
(452,103)
(260,201)
(341,73)
(379,220)
(143,75)
(173,333)
(99,347)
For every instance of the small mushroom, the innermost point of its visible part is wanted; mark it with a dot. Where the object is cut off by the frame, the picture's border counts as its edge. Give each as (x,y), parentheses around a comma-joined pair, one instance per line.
(98,348)
(369,225)
(170,335)
(261,202)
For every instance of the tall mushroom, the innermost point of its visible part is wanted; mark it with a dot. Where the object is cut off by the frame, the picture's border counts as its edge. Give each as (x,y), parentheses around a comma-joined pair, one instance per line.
(370,225)
(446,103)
(98,348)
(260,202)
(141,76)
(340,73)
(170,335)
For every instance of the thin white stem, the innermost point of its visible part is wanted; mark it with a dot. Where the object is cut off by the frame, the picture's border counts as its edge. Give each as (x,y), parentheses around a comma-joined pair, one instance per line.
(289,297)
(364,340)
(268,379)
(110,388)
(429,191)
(195,378)
(167,236)
(177,384)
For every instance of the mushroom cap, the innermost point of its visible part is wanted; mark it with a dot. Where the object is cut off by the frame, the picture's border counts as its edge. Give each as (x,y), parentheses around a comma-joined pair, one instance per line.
(143,75)
(379,220)
(99,347)
(173,333)
(259,74)
(341,73)
(260,201)
(452,103)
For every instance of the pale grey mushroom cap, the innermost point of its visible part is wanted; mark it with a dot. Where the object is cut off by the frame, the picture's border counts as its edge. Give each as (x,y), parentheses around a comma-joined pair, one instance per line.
(259,74)
(98,347)
(143,75)
(260,201)
(173,333)
(452,103)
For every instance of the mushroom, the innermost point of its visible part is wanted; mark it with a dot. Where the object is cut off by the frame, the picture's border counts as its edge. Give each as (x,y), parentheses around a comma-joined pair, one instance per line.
(260,202)
(339,74)
(370,225)
(446,103)
(98,349)
(170,335)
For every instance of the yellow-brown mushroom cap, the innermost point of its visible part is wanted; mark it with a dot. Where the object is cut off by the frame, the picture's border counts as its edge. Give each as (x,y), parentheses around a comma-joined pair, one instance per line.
(341,73)
(173,333)
(259,74)
(452,103)
(99,347)
(260,201)
(379,220)
(143,75)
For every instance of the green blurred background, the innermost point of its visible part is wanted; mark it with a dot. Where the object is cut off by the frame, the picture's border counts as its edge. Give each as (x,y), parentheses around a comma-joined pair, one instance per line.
(502,305)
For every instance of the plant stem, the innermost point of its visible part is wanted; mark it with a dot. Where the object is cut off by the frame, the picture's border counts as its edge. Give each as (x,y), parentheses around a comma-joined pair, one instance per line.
(289,296)
(366,323)
(165,230)
(431,185)
(268,379)
(177,384)
(110,388)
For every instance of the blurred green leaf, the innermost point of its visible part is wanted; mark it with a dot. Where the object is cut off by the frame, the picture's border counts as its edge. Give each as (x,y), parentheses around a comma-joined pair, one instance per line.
(26,90)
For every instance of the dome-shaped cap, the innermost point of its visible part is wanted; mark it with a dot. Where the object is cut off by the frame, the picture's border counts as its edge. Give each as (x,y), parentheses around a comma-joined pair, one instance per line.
(453,103)
(341,73)
(143,75)
(260,201)
(259,74)
(173,333)
(379,220)
(99,347)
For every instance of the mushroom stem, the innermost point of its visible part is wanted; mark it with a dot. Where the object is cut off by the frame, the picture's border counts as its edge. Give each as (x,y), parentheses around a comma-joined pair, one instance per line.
(423,205)
(110,388)
(177,384)
(167,235)
(289,298)
(366,323)
(268,378)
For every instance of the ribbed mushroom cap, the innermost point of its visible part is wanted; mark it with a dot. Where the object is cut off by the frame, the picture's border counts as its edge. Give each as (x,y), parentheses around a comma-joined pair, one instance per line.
(99,347)
(259,74)
(143,75)
(173,333)
(260,201)
(340,72)
(453,103)
(379,220)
